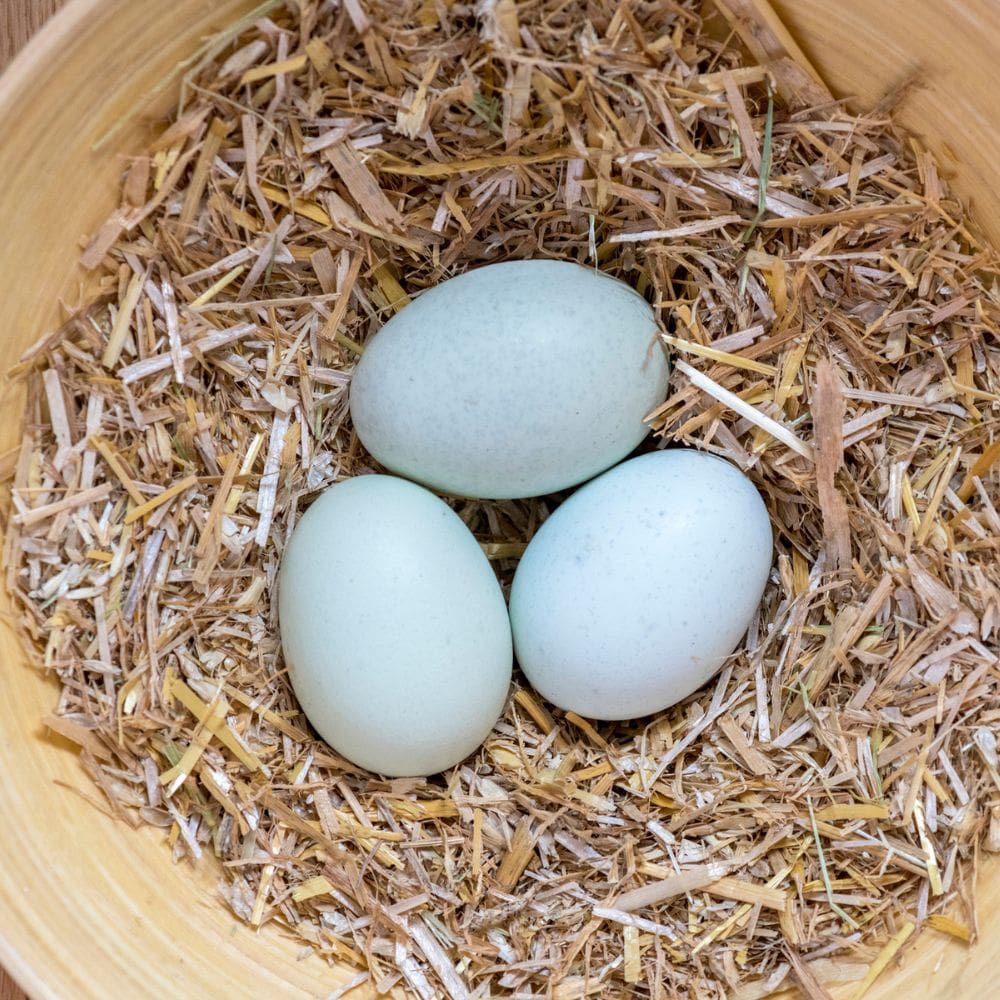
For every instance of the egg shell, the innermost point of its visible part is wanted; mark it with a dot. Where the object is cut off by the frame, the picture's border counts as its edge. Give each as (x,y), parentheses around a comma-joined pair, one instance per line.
(512,380)
(393,626)
(633,593)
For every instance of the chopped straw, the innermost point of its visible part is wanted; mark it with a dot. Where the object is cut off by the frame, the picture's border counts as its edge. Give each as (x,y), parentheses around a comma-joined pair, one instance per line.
(835,329)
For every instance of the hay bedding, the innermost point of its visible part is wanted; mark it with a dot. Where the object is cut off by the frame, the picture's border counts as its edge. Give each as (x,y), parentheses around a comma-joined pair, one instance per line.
(834,326)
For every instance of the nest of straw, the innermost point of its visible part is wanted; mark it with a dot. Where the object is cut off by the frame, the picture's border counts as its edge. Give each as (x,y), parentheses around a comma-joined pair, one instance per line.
(834,323)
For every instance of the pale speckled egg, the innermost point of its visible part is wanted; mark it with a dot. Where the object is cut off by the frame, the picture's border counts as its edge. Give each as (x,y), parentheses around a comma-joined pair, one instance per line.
(636,590)
(393,626)
(513,380)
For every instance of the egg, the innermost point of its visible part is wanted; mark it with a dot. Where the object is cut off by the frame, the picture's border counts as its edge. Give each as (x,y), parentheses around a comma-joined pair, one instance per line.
(640,585)
(393,626)
(513,380)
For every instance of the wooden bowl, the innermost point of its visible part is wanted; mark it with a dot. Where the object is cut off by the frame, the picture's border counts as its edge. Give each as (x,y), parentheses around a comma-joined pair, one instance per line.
(92,909)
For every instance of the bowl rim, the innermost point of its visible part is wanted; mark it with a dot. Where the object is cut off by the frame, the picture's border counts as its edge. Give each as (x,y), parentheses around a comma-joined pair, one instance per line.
(22,959)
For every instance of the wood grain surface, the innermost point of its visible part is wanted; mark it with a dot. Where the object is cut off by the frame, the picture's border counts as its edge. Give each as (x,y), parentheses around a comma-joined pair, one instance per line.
(19,19)
(8,989)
